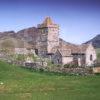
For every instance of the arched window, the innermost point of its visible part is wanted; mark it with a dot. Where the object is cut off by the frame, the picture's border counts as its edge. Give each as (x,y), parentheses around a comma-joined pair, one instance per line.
(91,57)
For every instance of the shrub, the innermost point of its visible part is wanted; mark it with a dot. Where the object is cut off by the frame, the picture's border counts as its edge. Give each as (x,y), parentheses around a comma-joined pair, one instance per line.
(67,66)
(41,69)
(70,65)
(58,65)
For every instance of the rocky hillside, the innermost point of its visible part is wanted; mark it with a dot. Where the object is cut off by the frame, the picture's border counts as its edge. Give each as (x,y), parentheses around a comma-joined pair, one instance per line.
(28,35)
(7,34)
(95,41)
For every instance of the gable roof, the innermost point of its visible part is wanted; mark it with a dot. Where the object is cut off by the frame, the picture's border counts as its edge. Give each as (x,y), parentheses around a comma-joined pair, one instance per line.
(73,48)
(63,53)
(83,48)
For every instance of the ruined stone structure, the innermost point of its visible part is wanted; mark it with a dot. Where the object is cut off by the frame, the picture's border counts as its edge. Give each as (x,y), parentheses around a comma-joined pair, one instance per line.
(59,51)
(45,41)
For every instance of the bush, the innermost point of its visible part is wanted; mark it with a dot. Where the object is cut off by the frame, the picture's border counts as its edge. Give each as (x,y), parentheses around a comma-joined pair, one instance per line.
(67,66)
(41,69)
(70,65)
(58,65)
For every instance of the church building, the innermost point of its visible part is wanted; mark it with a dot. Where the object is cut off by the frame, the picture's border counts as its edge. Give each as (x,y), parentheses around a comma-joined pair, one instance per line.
(50,45)
(45,42)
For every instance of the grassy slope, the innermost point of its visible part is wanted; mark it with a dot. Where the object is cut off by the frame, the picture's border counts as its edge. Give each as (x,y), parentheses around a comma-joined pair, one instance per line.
(22,84)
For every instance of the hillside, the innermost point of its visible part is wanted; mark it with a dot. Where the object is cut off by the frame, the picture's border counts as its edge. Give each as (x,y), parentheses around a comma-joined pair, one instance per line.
(13,42)
(21,84)
(28,35)
(95,41)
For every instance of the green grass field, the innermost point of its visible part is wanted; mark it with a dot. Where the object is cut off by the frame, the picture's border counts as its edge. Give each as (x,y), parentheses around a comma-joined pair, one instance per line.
(22,84)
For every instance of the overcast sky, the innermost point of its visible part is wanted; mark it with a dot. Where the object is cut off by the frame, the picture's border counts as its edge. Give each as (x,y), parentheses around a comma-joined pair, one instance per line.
(79,20)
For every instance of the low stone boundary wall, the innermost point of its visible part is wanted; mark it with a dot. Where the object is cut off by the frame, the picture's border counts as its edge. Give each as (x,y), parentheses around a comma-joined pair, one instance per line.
(77,71)
(60,69)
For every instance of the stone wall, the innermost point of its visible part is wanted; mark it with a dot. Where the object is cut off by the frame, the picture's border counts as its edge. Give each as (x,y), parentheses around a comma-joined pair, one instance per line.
(96,70)
(49,37)
(57,58)
(66,60)
(90,52)
(78,71)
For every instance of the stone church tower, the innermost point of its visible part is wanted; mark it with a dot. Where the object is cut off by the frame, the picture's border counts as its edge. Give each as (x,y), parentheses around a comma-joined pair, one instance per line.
(49,36)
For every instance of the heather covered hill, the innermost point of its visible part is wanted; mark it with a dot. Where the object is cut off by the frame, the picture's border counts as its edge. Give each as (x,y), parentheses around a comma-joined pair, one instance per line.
(13,42)
(28,35)
(7,34)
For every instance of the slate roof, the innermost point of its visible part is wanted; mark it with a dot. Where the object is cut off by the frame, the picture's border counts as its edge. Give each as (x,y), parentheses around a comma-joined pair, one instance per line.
(83,48)
(67,49)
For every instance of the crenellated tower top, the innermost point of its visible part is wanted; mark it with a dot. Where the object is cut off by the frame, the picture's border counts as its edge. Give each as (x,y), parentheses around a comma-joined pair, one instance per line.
(48,23)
